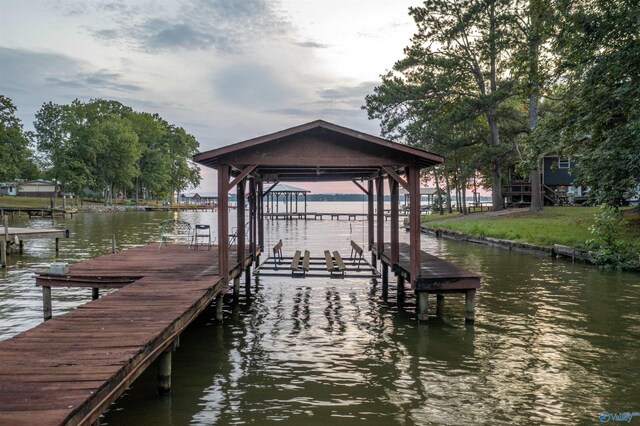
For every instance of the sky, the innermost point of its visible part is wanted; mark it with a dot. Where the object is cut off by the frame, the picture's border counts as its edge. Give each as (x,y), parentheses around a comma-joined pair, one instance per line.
(224,70)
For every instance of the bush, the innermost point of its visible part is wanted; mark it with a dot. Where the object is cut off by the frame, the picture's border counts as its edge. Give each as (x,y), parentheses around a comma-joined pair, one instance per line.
(607,247)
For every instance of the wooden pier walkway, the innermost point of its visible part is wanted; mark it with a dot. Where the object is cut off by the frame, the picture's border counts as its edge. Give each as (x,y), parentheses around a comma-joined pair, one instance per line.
(11,235)
(69,369)
(437,276)
(321,216)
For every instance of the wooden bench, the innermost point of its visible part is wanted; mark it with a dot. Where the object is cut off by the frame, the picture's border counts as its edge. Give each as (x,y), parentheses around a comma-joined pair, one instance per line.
(356,250)
(277,253)
(295,263)
(339,263)
(332,267)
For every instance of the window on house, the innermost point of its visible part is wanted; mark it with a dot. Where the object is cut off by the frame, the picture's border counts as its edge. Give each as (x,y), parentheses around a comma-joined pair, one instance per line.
(563,163)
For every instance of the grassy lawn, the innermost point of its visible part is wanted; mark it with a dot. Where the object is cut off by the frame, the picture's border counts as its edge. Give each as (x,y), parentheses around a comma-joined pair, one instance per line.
(554,225)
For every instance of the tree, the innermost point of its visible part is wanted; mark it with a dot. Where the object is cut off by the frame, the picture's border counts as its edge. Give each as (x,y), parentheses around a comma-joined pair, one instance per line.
(16,161)
(457,57)
(119,151)
(154,162)
(181,148)
(600,47)
(534,29)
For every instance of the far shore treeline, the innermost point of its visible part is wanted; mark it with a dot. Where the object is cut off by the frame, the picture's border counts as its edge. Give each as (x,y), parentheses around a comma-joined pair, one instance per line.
(100,148)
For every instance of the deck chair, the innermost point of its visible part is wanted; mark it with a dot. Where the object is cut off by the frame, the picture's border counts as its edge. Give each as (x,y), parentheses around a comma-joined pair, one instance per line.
(176,231)
(202,232)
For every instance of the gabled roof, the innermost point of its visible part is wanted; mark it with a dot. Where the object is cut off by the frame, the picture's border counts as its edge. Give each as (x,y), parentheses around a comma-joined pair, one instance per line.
(284,187)
(315,151)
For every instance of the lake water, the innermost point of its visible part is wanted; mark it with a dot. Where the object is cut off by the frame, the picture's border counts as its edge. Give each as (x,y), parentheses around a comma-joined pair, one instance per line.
(553,342)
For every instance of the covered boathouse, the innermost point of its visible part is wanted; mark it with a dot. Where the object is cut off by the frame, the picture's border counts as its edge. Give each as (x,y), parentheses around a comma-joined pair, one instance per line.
(320,151)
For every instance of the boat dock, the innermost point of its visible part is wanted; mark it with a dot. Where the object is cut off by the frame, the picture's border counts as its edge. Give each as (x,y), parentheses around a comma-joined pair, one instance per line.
(69,369)
(437,276)
(40,211)
(9,235)
(322,216)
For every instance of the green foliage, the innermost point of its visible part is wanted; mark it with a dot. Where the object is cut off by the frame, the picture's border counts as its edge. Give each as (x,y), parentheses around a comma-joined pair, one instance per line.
(17,160)
(599,118)
(452,91)
(607,247)
(107,147)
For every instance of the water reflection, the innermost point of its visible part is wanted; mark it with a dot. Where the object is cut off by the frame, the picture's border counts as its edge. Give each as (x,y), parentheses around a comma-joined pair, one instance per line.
(553,343)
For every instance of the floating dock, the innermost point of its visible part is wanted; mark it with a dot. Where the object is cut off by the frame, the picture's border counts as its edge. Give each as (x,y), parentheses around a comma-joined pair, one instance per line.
(69,369)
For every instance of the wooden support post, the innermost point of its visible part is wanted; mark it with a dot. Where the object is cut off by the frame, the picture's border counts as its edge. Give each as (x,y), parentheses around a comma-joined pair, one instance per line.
(423,306)
(164,372)
(113,243)
(400,286)
(414,224)
(21,247)
(440,304)
(95,293)
(236,288)
(260,220)
(370,223)
(247,282)
(219,302)
(252,217)
(380,217)
(242,231)
(395,227)
(470,308)
(223,224)
(5,242)
(385,276)
(46,303)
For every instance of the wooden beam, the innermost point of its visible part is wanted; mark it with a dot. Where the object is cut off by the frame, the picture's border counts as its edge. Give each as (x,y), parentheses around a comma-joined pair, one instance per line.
(395,229)
(223,224)
(240,213)
(414,224)
(370,223)
(380,221)
(270,188)
(396,177)
(360,186)
(243,174)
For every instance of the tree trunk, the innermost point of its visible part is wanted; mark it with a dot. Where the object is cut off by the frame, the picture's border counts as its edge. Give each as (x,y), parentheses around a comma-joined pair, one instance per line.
(435,173)
(464,197)
(448,189)
(534,98)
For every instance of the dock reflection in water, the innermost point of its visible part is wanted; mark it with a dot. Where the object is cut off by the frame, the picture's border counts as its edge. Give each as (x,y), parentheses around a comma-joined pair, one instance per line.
(553,343)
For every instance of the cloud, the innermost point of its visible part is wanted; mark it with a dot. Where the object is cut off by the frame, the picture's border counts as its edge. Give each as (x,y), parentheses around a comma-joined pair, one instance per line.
(252,85)
(227,26)
(311,44)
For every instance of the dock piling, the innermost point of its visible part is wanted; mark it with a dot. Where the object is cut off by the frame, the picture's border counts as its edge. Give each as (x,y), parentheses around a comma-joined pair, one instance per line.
(5,242)
(164,371)
(423,306)
(219,308)
(440,304)
(470,302)
(236,288)
(95,293)
(113,243)
(46,302)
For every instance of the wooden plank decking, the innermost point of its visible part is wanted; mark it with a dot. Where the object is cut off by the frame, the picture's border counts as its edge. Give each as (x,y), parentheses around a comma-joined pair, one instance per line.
(69,369)
(436,275)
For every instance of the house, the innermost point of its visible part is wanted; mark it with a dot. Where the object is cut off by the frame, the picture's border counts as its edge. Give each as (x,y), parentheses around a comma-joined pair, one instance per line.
(9,188)
(558,184)
(37,188)
(197,198)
